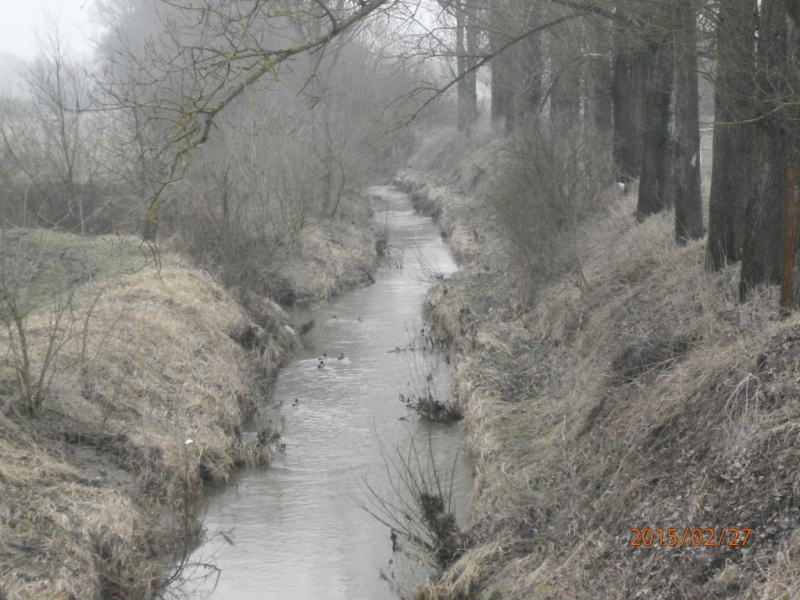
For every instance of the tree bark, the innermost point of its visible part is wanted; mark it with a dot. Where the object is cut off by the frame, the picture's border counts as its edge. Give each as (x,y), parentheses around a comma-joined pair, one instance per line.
(461,68)
(150,224)
(763,244)
(601,76)
(526,99)
(731,175)
(655,186)
(688,193)
(499,64)
(472,49)
(565,98)
(626,96)
(565,95)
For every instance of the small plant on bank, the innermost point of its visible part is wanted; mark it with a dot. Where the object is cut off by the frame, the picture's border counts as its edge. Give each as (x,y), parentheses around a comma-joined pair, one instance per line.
(421,397)
(429,408)
(428,273)
(29,282)
(418,506)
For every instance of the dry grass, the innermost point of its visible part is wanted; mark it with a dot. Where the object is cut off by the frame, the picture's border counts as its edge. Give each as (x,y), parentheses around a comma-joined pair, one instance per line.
(93,490)
(460,580)
(649,399)
(143,403)
(331,257)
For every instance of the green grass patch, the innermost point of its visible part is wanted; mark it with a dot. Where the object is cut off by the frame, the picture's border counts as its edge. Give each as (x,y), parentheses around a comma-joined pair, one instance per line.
(38,264)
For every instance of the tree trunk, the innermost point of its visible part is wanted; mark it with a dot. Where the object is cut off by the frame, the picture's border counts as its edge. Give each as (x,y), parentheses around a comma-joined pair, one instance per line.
(565,98)
(731,175)
(626,96)
(600,76)
(655,185)
(526,99)
(150,225)
(763,243)
(461,68)
(499,64)
(472,59)
(513,92)
(688,194)
(565,95)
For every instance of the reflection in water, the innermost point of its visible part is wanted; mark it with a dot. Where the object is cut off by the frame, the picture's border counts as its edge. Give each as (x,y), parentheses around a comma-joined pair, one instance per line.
(295,531)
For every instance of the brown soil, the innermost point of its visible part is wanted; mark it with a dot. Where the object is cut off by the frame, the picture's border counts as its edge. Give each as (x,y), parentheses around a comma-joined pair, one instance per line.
(648,399)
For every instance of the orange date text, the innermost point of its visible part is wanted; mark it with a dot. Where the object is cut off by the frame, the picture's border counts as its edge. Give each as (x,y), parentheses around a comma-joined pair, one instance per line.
(735,537)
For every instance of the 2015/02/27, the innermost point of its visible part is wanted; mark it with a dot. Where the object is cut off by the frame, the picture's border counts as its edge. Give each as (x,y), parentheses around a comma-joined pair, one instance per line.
(696,536)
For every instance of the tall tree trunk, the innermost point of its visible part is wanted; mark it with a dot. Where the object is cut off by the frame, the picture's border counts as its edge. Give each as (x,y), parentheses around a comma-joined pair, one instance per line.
(472,59)
(513,97)
(688,193)
(731,175)
(461,68)
(656,185)
(526,100)
(499,64)
(565,98)
(150,224)
(565,95)
(600,77)
(627,87)
(763,243)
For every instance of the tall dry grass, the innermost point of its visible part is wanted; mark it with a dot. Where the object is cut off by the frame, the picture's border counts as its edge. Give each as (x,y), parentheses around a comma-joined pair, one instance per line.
(146,404)
(647,397)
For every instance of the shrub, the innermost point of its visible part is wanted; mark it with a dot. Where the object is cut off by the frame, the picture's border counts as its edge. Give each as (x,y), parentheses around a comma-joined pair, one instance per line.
(553,180)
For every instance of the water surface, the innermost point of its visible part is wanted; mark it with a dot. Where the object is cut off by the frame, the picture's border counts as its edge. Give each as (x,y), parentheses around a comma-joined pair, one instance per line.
(295,531)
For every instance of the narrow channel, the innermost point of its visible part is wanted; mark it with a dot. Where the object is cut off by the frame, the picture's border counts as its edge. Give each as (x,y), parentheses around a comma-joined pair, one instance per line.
(295,531)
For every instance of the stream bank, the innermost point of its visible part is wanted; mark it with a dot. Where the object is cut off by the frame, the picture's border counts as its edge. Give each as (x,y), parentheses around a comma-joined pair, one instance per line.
(350,446)
(649,398)
(157,370)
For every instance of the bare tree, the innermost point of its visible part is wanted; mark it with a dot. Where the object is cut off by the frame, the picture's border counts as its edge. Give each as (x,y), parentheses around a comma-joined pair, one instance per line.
(655,186)
(688,195)
(209,54)
(731,177)
(45,136)
(764,240)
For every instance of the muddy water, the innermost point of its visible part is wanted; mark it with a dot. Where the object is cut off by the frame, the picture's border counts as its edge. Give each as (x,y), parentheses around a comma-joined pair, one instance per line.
(295,531)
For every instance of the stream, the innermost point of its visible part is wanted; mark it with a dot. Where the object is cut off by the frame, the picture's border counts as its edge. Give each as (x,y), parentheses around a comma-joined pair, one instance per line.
(298,530)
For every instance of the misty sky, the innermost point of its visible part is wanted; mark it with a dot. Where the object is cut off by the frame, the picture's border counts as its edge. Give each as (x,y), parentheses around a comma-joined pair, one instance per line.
(21,18)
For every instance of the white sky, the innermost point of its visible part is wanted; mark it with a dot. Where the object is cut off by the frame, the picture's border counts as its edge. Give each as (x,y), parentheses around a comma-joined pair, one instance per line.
(20,19)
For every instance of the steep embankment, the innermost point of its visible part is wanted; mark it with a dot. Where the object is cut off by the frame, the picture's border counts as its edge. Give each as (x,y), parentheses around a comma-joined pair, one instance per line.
(155,370)
(329,257)
(649,399)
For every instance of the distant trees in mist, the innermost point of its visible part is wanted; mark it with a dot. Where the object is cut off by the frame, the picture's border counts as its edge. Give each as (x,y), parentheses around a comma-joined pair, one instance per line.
(264,116)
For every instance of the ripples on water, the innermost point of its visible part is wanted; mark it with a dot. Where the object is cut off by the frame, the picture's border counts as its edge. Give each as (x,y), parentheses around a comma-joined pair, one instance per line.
(297,529)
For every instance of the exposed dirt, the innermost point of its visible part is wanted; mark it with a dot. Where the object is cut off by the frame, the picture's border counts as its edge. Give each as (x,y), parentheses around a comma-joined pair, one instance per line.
(648,399)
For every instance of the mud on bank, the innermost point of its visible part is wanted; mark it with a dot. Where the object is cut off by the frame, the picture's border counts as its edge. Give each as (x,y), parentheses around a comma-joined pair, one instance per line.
(157,371)
(649,399)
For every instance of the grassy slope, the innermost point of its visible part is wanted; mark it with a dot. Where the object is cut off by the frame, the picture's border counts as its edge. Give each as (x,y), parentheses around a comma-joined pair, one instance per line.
(93,490)
(651,400)
(331,257)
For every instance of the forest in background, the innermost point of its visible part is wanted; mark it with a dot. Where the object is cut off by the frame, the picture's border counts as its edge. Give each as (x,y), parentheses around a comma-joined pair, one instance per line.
(241,123)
